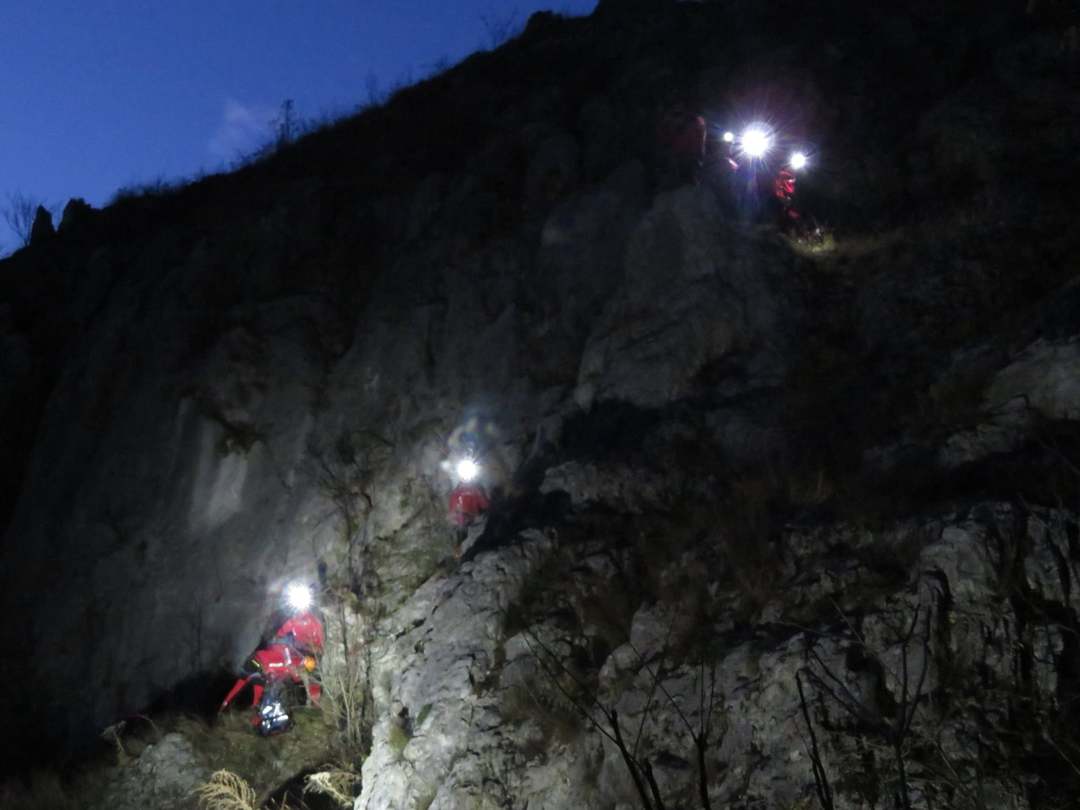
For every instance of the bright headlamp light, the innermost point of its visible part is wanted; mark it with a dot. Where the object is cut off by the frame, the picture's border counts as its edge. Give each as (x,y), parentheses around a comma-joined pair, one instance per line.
(755,141)
(298,596)
(467,469)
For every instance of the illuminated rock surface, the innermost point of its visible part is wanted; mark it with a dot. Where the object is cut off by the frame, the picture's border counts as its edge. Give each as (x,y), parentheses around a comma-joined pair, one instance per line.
(724,465)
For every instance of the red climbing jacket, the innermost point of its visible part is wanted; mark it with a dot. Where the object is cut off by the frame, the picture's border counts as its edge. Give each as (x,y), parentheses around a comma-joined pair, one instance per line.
(467,503)
(304,631)
(784,186)
(784,192)
(274,663)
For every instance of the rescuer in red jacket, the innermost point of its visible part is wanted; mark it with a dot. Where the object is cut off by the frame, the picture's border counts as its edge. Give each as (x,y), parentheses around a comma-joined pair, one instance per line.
(681,136)
(790,218)
(784,192)
(287,660)
(468,502)
(269,670)
(303,631)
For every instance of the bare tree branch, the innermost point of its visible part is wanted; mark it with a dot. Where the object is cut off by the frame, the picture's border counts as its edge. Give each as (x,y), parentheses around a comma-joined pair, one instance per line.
(18,212)
(821,777)
(500,27)
(639,768)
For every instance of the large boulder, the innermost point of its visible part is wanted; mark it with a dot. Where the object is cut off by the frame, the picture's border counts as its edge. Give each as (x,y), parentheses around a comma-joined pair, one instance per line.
(696,290)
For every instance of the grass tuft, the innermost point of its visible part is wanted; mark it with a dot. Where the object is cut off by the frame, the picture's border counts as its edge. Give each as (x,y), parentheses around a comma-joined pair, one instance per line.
(398,739)
(226,791)
(336,785)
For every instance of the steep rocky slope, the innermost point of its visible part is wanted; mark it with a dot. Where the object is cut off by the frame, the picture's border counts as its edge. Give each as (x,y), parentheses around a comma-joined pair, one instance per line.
(802,521)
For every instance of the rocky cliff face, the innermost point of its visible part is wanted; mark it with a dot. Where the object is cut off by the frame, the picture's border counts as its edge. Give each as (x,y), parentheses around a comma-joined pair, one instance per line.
(772,526)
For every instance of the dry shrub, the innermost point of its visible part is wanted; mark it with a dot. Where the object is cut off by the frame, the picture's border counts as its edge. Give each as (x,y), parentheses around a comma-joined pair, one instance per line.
(346,700)
(129,738)
(226,791)
(336,785)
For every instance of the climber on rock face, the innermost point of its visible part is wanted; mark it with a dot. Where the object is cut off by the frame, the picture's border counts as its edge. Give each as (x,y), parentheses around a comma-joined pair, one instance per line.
(303,631)
(288,659)
(745,164)
(784,193)
(681,137)
(790,218)
(726,148)
(270,671)
(468,502)
(748,159)
(472,438)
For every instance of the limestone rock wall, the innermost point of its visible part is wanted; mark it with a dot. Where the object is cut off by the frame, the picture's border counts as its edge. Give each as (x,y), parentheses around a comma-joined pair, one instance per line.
(741,484)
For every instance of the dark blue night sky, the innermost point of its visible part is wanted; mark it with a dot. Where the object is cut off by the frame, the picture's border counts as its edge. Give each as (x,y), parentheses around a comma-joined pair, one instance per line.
(111,93)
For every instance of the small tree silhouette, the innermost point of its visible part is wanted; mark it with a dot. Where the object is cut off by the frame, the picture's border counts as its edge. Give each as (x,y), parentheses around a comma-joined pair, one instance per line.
(500,26)
(19,211)
(285,125)
(604,718)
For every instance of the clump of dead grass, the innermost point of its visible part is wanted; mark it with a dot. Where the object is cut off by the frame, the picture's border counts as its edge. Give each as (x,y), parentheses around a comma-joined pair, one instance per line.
(226,791)
(337,785)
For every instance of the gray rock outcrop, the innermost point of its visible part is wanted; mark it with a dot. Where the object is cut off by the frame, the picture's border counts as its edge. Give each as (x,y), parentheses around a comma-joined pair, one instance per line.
(777,522)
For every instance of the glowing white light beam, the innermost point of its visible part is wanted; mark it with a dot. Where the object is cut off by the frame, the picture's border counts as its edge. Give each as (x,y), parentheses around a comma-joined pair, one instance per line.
(798,160)
(467,469)
(755,141)
(298,596)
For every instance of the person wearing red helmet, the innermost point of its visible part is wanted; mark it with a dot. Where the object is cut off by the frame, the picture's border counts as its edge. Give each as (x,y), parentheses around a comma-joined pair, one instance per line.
(784,193)
(289,659)
(303,631)
(467,506)
(468,502)
(792,220)
(784,186)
